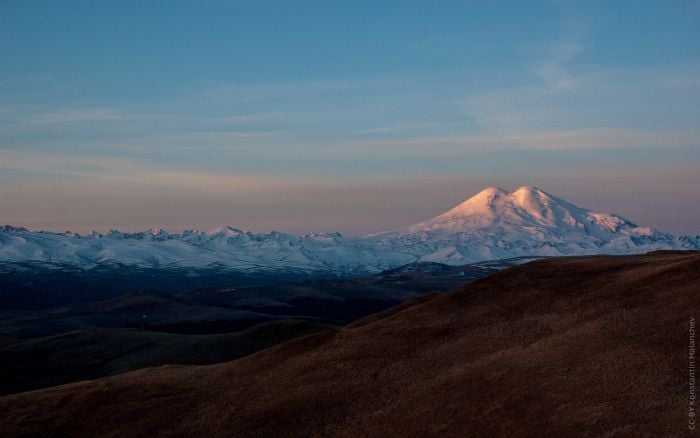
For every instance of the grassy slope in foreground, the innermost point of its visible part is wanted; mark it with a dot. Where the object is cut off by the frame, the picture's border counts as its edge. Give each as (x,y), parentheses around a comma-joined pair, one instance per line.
(558,347)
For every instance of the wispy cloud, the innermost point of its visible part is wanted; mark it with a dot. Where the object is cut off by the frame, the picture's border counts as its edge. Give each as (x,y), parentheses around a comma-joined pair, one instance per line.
(554,70)
(48,166)
(248,93)
(600,138)
(536,103)
(398,128)
(75,116)
(559,140)
(643,98)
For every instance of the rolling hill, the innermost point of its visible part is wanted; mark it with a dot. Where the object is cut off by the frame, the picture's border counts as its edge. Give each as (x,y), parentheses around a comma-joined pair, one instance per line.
(574,346)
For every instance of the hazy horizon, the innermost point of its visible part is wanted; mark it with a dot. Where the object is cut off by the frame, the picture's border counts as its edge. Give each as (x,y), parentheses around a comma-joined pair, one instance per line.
(400,211)
(343,116)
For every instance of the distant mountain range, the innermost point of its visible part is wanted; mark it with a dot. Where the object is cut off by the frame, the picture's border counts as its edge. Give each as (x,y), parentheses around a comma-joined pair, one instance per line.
(493,224)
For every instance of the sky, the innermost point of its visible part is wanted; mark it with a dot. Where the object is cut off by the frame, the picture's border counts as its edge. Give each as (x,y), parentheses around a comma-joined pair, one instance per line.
(352,116)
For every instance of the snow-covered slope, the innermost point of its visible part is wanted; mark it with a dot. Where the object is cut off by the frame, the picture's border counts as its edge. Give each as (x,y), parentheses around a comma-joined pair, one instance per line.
(494,224)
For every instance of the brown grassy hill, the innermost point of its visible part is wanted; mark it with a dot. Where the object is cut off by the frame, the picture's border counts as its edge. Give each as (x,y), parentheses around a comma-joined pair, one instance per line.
(585,346)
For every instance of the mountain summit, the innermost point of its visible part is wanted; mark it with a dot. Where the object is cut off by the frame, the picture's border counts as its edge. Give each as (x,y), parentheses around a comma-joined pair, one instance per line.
(523,208)
(493,224)
(496,224)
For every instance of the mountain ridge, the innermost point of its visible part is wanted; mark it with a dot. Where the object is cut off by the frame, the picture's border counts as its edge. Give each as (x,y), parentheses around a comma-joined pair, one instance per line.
(493,224)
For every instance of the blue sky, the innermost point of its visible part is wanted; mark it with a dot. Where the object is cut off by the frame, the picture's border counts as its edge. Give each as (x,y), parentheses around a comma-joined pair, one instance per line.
(343,115)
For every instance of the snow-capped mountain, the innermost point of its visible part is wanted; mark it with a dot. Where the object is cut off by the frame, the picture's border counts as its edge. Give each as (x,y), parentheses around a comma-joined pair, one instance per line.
(494,224)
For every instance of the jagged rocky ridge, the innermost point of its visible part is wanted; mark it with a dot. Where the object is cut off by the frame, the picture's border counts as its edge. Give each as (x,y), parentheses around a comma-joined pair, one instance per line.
(494,224)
